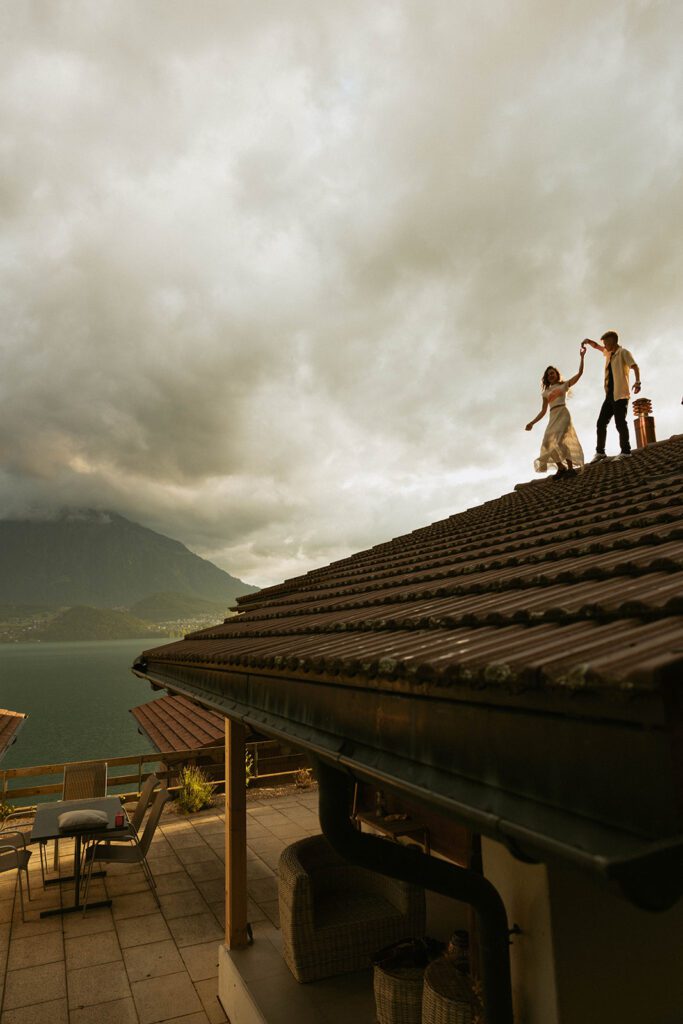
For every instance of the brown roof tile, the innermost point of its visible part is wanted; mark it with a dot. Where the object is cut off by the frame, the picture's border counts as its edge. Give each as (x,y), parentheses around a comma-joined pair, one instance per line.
(176,723)
(554,573)
(10,724)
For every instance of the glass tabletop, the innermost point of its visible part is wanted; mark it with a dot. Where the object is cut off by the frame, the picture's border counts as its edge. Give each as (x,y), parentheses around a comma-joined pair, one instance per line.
(46,823)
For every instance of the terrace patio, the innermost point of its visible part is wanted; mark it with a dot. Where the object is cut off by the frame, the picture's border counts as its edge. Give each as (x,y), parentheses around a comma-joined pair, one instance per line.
(132,963)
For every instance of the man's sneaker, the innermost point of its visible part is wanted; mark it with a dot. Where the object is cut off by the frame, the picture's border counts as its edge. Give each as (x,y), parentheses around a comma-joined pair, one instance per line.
(598,457)
(622,455)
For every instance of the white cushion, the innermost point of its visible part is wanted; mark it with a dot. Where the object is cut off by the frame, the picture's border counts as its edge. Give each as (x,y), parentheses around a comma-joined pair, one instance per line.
(87,818)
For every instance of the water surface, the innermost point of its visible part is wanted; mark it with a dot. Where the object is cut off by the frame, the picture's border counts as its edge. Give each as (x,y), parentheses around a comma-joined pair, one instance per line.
(77,696)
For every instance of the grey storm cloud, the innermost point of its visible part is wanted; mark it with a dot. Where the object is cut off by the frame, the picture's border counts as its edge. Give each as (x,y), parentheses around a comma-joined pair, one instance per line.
(280,279)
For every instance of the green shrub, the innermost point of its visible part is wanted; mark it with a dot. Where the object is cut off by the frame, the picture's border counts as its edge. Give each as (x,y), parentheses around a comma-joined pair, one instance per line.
(5,811)
(196,790)
(248,767)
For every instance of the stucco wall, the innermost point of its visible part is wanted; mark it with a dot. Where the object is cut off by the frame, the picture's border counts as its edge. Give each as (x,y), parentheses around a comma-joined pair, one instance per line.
(613,961)
(524,890)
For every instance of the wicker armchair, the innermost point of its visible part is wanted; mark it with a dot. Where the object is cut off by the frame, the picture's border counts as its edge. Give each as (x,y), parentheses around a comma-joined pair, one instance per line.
(334,916)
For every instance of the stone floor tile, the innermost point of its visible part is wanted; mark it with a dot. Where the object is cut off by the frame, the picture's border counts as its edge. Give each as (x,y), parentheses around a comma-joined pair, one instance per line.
(262,889)
(217,845)
(193,854)
(182,904)
(218,911)
(152,960)
(289,830)
(34,985)
(203,870)
(89,950)
(4,936)
(272,818)
(6,909)
(201,960)
(212,827)
(134,931)
(256,868)
(272,859)
(259,808)
(53,1012)
(255,830)
(160,846)
(98,920)
(185,841)
(208,993)
(30,952)
(121,885)
(157,999)
(175,826)
(35,928)
(164,865)
(133,905)
(266,845)
(213,889)
(188,931)
(118,1011)
(254,912)
(178,881)
(272,909)
(101,983)
(194,1018)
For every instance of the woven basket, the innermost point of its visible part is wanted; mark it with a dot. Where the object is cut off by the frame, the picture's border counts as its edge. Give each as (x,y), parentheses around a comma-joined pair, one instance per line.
(398,994)
(448,997)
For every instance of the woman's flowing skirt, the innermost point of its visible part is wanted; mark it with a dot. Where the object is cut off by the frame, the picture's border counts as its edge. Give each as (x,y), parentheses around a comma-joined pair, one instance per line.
(560,442)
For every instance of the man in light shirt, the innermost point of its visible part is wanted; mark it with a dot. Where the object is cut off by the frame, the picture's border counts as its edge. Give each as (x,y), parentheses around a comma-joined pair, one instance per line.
(618,363)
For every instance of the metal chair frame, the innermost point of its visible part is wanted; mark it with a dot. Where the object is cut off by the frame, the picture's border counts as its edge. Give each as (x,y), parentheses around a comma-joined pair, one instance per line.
(20,855)
(136,853)
(81,780)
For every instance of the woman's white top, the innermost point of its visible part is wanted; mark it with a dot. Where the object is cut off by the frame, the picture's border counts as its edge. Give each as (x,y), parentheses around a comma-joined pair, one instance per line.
(555,394)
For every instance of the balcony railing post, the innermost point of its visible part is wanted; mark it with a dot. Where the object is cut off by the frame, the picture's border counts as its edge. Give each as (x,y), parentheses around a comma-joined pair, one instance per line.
(236,928)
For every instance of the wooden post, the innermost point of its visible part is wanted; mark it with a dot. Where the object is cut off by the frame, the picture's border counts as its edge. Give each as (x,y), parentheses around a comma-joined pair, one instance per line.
(235,836)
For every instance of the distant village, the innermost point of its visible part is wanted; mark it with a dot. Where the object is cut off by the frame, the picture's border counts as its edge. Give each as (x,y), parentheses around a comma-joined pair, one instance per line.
(83,623)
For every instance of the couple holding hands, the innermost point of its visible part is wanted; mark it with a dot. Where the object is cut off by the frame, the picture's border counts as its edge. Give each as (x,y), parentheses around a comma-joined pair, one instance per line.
(560,445)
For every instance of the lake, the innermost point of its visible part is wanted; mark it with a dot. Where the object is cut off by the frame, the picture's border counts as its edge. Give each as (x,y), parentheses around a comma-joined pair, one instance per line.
(77,696)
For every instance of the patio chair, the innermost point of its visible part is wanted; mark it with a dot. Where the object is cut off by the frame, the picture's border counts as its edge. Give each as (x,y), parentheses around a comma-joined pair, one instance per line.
(334,915)
(128,834)
(133,853)
(13,854)
(82,780)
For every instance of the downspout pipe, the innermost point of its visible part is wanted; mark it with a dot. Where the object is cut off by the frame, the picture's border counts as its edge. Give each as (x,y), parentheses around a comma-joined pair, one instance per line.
(410,865)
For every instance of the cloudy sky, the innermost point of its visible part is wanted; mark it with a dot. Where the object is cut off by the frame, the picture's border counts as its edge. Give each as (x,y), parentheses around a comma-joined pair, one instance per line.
(279,279)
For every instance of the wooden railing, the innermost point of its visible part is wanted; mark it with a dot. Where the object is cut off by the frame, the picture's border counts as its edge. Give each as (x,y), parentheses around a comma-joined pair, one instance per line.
(266,765)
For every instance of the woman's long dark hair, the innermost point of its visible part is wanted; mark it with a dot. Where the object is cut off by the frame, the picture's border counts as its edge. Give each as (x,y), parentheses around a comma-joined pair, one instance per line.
(545,383)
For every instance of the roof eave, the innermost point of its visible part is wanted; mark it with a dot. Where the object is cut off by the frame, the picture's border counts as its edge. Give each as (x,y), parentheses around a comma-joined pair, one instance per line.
(461,781)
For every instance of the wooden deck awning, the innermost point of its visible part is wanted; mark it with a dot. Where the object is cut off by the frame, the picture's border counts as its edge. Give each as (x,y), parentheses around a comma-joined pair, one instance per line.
(175,723)
(10,724)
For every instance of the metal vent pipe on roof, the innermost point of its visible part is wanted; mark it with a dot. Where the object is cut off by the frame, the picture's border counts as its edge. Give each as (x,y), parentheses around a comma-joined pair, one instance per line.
(644,422)
(410,865)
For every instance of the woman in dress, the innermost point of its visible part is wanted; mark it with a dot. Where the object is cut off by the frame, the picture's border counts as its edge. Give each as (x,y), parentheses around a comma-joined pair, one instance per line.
(560,445)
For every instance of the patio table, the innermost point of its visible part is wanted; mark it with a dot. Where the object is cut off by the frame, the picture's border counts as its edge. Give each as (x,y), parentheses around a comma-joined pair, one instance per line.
(46,826)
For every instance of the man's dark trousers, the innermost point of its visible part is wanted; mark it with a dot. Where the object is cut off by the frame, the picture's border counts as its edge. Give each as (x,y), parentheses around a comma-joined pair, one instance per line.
(617,408)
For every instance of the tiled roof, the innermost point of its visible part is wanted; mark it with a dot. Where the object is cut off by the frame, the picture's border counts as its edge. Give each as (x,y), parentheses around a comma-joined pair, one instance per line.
(10,724)
(567,584)
(176,723)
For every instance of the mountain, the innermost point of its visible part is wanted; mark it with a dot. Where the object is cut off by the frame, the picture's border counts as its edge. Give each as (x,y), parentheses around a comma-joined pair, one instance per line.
(83,623)
(103,559)
(167,606)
